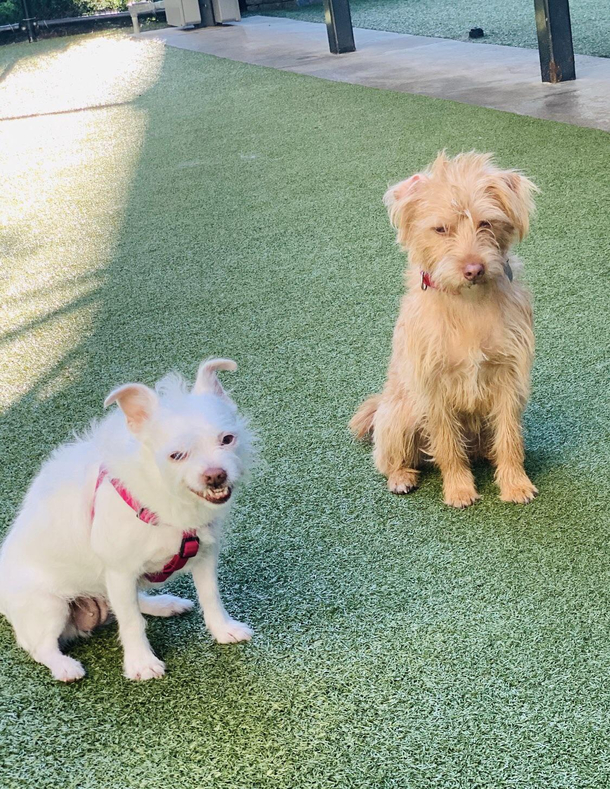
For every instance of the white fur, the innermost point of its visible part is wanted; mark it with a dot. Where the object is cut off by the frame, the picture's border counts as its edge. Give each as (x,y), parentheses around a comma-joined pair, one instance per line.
(56,553)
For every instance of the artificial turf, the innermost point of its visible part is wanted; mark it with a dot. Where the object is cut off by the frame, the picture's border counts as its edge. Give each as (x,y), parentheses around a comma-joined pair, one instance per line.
(202,206)
(511,23)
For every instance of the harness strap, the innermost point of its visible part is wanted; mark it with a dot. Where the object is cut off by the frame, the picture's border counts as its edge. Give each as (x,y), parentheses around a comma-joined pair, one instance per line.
(190,542)
(188,549)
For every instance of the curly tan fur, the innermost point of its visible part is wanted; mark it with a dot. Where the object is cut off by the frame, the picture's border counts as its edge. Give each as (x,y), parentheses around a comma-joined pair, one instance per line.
(458,379)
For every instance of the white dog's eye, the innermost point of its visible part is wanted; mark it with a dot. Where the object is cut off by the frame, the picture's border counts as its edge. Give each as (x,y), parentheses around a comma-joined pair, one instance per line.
(441,229)
(485,224)
(227,439)
(177,456)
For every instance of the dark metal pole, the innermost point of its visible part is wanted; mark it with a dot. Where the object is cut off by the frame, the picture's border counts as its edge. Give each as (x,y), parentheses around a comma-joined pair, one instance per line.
(555,40)
(207,14)
(339,26)
(29,21)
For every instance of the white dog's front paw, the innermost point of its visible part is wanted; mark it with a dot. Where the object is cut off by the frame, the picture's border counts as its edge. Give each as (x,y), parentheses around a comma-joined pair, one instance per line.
(149,667)
(67,669)
(230,632)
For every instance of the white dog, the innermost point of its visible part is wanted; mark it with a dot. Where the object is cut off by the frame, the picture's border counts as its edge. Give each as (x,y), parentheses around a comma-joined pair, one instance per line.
(141,497)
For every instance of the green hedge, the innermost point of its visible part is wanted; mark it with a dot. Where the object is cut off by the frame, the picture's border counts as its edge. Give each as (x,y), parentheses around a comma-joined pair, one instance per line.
(10,10)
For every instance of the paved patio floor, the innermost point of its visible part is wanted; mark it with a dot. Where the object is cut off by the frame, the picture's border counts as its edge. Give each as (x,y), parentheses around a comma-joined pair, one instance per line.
(498,77)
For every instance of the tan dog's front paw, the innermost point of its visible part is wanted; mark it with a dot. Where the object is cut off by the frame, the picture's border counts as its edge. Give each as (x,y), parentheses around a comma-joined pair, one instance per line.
(461,497)
(403,481)
(521,492)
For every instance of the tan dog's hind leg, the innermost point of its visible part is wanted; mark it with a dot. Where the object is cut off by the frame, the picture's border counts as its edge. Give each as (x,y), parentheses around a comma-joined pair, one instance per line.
(396,451)
(449,453)
(507,448)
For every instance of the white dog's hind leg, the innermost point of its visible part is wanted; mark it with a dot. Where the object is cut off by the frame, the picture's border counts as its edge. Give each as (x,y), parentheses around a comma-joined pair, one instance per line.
(223,628)
(163,604)
(140,662)
(38,625)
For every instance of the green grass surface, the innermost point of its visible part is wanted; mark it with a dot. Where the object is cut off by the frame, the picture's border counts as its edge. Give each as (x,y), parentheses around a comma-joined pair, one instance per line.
(511,23)
(210,207)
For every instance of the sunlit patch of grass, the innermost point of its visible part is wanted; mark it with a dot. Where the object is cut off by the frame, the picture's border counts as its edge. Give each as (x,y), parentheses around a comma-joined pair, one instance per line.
(63,197)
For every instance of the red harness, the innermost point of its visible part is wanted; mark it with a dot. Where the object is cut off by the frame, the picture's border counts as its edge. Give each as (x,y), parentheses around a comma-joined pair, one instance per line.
(188,547)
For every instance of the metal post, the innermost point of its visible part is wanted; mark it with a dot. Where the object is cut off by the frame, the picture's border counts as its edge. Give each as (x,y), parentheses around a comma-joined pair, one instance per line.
(339,26)
(29,22)
(555,40)
(207,14)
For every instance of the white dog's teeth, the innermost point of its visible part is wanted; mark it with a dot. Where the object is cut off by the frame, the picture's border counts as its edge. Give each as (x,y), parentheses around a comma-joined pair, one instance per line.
(217,494)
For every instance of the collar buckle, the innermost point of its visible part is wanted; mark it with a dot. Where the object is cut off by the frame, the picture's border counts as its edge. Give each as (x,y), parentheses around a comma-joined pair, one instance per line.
(189,546)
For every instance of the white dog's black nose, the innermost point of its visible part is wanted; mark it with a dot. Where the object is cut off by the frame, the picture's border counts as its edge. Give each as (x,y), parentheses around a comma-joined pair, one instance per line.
(214,477)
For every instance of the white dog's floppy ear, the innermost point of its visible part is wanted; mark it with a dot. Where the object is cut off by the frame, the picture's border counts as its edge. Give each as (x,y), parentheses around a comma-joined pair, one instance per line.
(136,401)
(400,201)
(207,380)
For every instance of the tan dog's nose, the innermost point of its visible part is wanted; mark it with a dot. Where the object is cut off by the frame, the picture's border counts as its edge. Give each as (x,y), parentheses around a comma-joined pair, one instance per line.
(214,477)
(474,271)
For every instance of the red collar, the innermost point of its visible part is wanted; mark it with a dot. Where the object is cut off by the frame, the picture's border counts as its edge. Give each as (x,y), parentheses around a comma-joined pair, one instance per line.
(190,542)
(425,281)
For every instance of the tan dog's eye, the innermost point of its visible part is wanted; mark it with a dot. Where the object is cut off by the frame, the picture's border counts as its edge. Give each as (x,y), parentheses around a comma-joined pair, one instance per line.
(485,224)
(178,456)
(440,229)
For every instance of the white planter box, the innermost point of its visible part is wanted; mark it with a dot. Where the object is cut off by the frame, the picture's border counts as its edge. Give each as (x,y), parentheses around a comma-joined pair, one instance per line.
(180,13)
(226,10)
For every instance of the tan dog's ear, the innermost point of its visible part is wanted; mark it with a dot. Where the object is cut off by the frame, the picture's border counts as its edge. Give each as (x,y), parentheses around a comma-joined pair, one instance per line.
(515,193)
(136,401)
(207,380)
(400,201)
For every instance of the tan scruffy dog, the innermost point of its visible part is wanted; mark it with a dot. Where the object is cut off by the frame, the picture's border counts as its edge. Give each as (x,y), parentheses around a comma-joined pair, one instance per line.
(463,345)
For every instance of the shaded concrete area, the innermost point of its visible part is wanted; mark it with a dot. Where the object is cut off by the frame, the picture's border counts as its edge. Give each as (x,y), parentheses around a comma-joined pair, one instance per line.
(502,78)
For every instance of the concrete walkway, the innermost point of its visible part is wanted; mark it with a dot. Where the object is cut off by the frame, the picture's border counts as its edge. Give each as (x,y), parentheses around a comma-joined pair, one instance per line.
(502,78)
